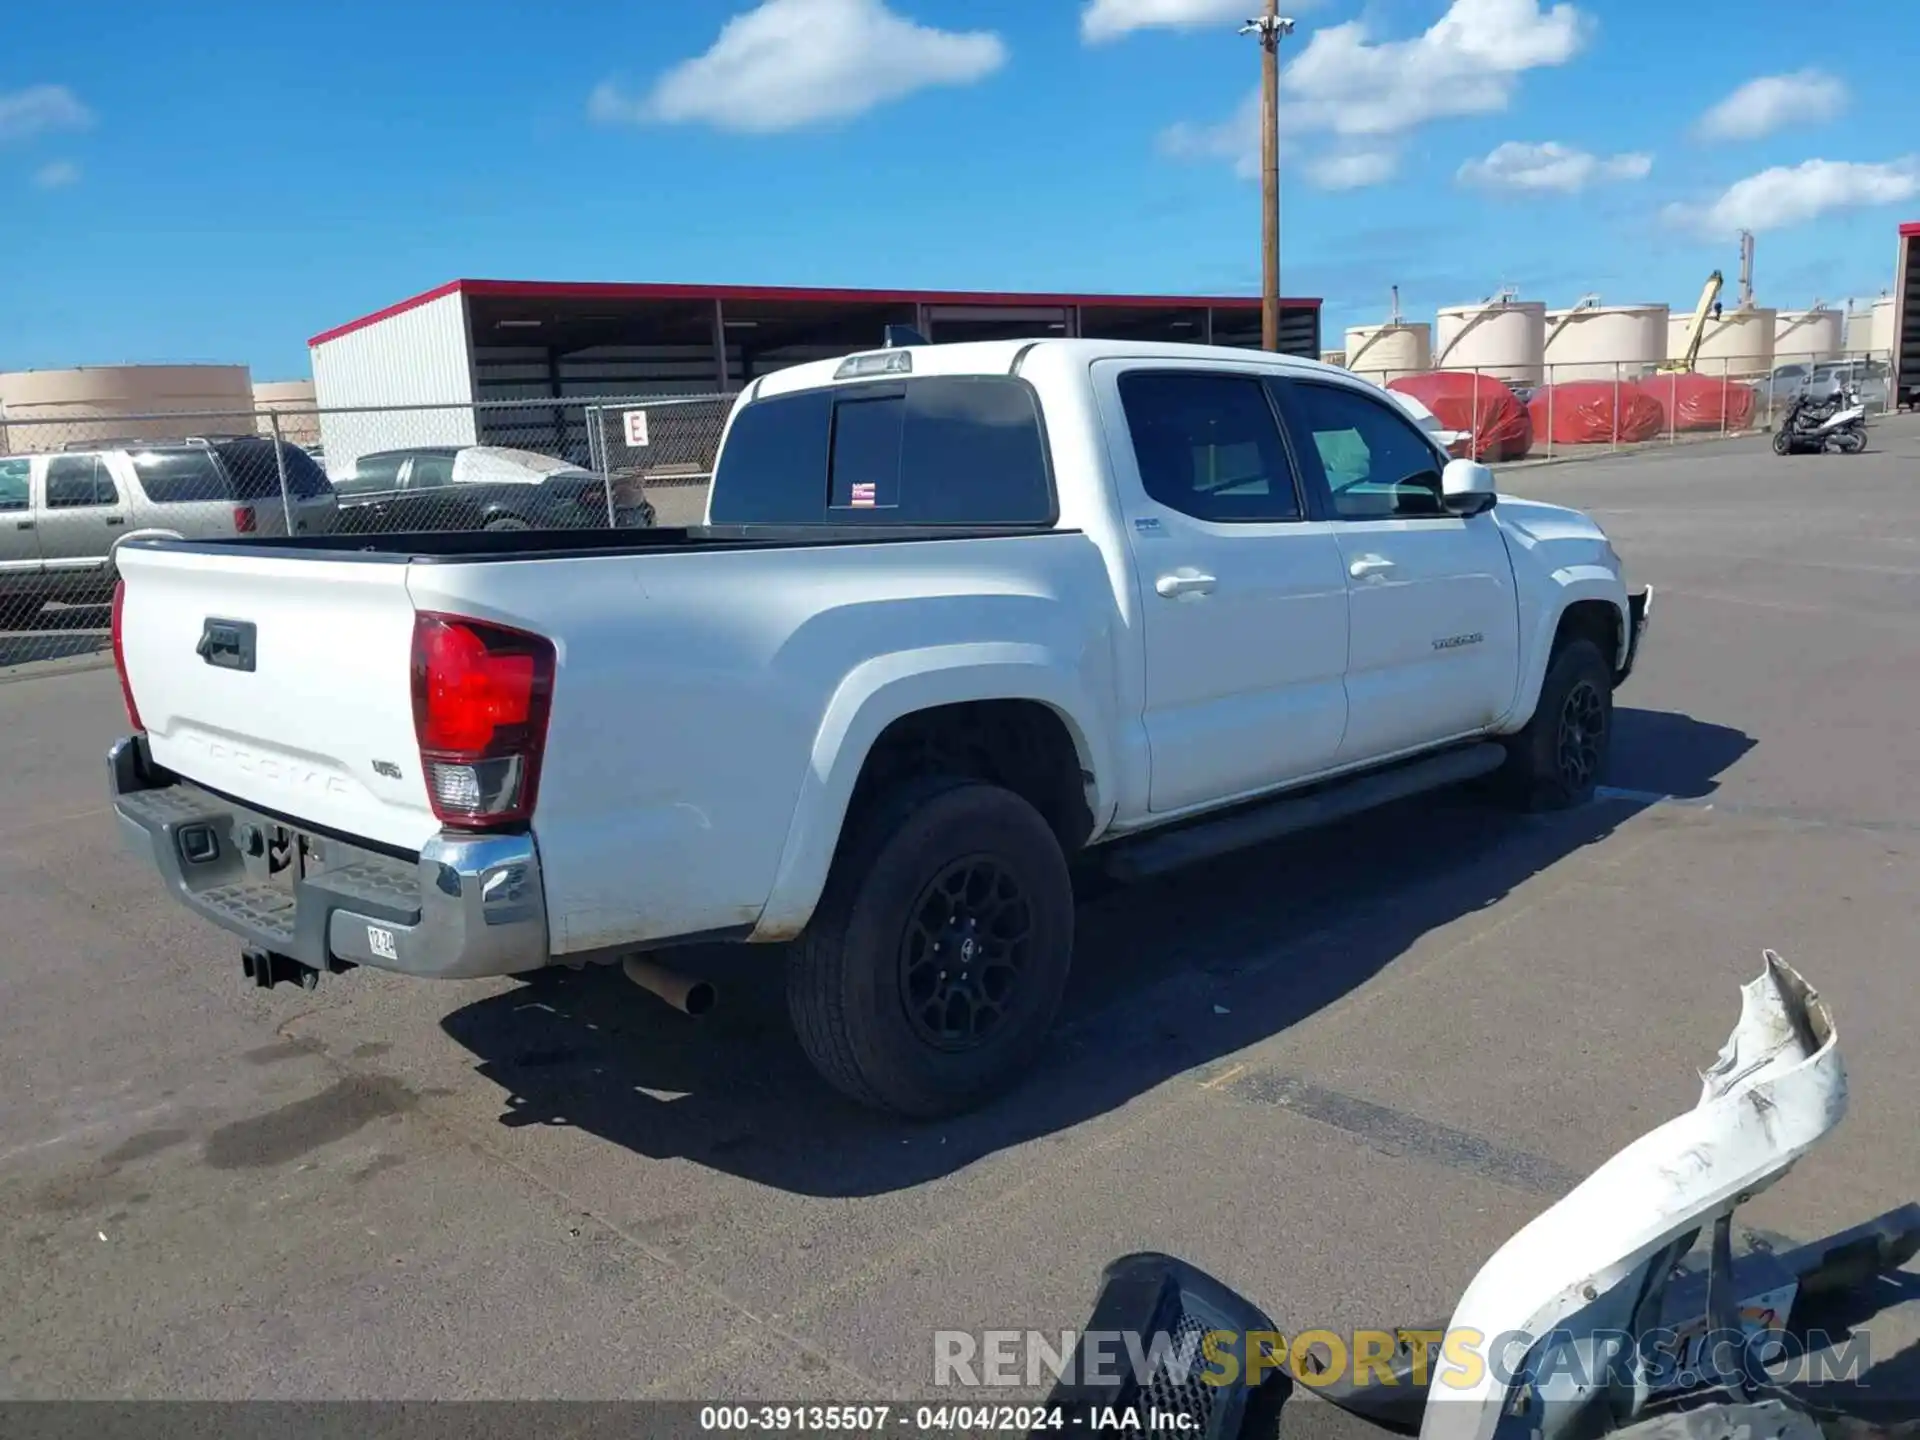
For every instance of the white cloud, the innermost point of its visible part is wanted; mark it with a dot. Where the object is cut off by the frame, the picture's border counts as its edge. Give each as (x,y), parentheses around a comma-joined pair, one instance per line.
(1353,169)
(57,175)
(1774,102)
(39,110)
(1343,82)
(1237,139)
(1549,165)
(1110,19)
(1794,194)
(790,63)
(1466,63)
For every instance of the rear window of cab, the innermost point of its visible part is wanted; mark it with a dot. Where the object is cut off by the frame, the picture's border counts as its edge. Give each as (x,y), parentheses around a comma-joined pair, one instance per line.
(931,450)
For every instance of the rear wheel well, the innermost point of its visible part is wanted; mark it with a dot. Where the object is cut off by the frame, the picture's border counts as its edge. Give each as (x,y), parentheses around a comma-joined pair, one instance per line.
(1595,620)
(1020,745)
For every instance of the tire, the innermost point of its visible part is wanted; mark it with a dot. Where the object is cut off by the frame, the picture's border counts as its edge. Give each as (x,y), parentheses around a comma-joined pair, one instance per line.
(865,984)
(506,522)
(1555,763)
(1852,442)
(1782,442)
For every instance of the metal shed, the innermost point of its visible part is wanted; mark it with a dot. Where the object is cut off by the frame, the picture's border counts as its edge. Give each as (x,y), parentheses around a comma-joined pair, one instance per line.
(1904,343)
(452,355)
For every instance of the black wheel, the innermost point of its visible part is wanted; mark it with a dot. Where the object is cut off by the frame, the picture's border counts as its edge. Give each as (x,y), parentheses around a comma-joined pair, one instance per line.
(935,962)
(1852,442)
(1560,757)
(1782,442)
(507,522)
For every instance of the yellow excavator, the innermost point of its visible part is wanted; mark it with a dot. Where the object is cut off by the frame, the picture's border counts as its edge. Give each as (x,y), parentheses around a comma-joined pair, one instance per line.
(1697,331)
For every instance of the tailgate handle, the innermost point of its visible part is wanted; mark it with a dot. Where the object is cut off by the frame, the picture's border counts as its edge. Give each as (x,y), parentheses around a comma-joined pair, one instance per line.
(228,644)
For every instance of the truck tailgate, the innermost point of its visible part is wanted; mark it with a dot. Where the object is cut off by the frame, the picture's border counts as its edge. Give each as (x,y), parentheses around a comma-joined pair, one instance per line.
(283,682)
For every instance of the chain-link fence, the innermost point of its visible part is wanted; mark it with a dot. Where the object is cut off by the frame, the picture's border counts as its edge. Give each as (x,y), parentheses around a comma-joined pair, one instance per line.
(1550,411)
(73,488)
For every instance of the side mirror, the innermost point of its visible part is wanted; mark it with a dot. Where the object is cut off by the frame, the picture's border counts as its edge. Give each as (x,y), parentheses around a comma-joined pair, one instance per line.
(1467,488)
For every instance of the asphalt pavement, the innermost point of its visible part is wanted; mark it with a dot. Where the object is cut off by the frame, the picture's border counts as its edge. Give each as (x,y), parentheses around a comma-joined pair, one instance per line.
(1337,1071)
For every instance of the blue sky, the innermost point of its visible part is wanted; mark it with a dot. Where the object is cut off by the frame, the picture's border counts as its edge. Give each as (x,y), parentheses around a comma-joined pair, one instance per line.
(223,188)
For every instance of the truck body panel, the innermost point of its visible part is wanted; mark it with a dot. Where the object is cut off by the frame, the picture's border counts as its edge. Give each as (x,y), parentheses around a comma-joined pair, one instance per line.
(1221,603)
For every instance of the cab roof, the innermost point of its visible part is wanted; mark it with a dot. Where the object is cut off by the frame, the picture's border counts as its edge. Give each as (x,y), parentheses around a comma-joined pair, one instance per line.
(997,357)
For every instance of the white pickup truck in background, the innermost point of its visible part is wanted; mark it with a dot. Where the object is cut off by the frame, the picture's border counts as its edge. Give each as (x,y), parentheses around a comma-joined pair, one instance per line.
(959,615)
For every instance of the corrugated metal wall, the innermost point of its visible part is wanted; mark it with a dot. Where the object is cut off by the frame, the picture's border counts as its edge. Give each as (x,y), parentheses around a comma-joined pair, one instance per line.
(418,357)
(531,372)
(1905,360)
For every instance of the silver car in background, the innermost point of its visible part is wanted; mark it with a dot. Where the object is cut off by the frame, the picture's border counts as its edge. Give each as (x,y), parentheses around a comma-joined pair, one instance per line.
(61,514)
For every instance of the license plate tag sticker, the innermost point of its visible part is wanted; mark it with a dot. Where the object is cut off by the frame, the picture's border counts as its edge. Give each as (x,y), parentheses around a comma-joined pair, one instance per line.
(380,942)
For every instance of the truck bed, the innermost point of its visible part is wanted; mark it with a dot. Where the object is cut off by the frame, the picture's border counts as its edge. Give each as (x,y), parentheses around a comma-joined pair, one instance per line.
(689,697)
(467,546)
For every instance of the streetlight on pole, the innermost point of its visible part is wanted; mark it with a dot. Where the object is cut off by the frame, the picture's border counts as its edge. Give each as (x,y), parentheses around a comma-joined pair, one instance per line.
(1270,27)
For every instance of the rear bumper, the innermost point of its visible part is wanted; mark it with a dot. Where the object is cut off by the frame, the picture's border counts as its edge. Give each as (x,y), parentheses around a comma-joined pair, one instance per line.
(467,906)
(1639,609)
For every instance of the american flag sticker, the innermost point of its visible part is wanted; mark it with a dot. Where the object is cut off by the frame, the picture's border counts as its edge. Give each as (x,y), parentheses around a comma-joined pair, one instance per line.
(862,496)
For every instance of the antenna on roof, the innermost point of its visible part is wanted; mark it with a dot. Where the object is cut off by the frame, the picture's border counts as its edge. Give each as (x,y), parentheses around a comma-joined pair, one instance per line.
(894,337)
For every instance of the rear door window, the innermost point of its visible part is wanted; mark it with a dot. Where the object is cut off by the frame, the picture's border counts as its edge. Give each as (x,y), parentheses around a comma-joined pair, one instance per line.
(940,450)
(76,482)
(430,472)
(180,477)
(1208,445)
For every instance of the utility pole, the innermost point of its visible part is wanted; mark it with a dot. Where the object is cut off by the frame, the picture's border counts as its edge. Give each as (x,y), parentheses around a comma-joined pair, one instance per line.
(1270,28)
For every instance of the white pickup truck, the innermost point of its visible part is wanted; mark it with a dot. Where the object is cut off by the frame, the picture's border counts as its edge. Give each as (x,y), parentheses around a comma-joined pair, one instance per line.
(959,615)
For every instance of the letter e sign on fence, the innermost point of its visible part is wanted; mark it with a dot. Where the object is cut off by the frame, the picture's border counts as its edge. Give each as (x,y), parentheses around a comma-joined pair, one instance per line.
(636,426)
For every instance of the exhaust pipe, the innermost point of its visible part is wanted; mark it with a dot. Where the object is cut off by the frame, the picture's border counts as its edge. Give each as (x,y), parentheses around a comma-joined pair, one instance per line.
(683,992)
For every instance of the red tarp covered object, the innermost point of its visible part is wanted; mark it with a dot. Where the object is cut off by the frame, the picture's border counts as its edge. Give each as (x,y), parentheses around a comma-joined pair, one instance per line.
(1701,402)
(1478,404)
(1596,412)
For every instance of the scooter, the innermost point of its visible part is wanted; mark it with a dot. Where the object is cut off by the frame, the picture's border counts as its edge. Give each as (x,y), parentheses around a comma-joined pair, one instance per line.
(1598,1318)
(1809,428)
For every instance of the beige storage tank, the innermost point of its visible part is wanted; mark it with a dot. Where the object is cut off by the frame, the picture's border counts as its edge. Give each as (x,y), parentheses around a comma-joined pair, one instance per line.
(1386,352)
(1859,331)
(1598,342)
(1880,333)
(46,409)
(1807,337)
(1740,342)
(302,427)
(1501,337)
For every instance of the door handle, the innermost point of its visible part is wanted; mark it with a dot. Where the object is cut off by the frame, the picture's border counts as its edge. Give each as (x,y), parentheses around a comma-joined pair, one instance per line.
(23,524)
(1174,586)
(116,519)
(1369,565)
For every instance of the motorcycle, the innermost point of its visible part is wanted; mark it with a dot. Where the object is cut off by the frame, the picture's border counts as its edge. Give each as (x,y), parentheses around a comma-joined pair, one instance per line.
(1810,427)
(1598,1318)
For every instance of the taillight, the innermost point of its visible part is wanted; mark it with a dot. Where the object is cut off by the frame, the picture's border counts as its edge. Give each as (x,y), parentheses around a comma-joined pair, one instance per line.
(120,654)
(481,694)
(244,520)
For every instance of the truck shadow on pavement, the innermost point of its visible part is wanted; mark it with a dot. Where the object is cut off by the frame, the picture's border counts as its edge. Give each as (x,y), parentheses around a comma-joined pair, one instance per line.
(1170,975)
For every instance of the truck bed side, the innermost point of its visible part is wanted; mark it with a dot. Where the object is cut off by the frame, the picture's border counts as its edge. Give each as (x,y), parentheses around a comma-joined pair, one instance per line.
(710,719)
(712,703)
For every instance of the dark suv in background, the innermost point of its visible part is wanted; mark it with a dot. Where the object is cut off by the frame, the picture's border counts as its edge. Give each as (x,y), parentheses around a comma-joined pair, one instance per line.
(480,487)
